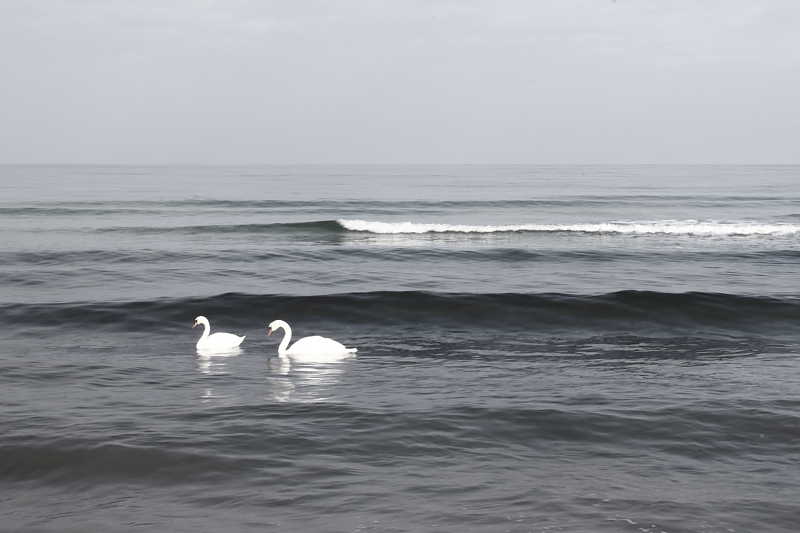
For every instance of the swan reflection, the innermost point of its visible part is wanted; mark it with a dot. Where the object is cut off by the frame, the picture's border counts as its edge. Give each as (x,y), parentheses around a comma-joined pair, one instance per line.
(214,361)
(303,378)
(279,365)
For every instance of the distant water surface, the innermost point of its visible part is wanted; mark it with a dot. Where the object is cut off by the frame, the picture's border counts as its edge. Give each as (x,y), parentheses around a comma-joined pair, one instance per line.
(588,348)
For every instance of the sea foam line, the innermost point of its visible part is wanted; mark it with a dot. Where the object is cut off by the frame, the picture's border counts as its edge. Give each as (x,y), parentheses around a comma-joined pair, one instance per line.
(670,227)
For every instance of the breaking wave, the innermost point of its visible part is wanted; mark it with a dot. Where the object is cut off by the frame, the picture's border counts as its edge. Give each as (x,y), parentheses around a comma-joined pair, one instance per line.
(666,227)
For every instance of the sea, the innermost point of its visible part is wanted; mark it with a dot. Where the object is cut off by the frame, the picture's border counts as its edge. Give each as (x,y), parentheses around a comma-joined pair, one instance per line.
(540,348)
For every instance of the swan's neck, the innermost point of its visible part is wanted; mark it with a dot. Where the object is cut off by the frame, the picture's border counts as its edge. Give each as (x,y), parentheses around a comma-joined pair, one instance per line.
(206,327)
(286,338)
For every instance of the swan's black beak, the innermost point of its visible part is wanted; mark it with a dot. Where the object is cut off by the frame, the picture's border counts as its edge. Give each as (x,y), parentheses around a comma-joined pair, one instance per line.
(269,332)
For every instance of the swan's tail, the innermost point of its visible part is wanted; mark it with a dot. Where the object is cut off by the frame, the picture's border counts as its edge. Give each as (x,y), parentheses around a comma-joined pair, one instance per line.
(352,350)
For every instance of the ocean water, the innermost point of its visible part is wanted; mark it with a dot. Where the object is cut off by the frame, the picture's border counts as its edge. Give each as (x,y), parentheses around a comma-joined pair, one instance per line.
(540,348)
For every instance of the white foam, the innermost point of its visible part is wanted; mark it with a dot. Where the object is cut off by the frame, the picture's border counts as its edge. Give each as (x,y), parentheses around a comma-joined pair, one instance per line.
(669,227)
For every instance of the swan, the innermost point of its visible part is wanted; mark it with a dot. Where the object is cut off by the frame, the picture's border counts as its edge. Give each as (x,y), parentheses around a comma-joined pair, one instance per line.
(315,345)
(217,341)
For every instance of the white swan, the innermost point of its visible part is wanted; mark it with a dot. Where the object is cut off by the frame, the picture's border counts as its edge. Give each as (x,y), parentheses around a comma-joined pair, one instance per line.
(315,345)
(217,341)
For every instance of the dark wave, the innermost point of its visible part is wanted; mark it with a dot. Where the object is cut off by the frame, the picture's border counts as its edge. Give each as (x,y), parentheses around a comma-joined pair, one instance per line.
(102,258)
(77,207)
(321,226)
(66,461)
(79,210)
(696,430)
(620,312)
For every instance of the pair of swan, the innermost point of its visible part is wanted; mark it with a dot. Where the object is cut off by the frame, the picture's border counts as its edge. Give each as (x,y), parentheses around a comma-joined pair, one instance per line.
(314,345)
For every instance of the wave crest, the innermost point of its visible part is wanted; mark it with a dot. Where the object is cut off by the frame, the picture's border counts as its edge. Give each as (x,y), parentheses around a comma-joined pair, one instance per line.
(618,312)
(667,227)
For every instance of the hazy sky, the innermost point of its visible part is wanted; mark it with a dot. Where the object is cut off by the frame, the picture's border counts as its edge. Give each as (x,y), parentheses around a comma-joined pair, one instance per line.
(400,81)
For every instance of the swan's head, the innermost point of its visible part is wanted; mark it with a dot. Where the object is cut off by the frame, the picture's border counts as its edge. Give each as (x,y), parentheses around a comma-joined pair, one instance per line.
(275,324)
(200,320)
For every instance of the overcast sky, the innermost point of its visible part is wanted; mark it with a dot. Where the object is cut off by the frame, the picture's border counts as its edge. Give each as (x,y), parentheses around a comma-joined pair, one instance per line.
(400,81)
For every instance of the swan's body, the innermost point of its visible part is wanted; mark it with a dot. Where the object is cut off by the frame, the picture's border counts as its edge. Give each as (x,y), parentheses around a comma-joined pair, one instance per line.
(217,341)
(315,345)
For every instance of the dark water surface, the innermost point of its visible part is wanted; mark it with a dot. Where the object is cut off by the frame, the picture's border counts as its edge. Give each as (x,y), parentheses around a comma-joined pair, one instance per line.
(540,349)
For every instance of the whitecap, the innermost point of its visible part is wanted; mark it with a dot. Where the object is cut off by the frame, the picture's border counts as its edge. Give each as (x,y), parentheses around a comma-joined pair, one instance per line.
(666,227)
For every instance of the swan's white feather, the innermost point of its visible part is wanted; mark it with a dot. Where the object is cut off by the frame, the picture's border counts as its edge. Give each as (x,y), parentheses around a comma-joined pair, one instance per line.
(217,341)
(220,340)
(314,345)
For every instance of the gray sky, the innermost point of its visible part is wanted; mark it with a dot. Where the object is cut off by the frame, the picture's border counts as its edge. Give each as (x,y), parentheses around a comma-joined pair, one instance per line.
(400,81)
